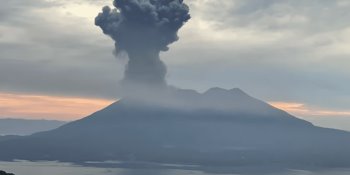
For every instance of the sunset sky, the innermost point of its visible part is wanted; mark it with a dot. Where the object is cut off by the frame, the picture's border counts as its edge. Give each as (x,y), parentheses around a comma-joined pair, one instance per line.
(56,64)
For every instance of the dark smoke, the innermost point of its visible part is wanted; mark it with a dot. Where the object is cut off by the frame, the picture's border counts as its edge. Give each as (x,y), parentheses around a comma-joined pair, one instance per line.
(143,28)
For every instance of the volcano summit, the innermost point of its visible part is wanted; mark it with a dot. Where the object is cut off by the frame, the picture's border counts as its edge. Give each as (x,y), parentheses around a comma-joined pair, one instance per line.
(218,127)
(154,122)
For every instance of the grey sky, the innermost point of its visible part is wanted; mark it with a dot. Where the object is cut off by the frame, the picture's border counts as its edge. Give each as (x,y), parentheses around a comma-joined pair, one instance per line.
(289,50)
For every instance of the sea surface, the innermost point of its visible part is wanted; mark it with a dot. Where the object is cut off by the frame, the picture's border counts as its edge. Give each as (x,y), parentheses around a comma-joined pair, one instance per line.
(57,168)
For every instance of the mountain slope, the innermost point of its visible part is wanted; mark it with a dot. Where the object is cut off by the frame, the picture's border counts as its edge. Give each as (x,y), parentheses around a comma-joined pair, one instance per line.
(217,127)
(27,127)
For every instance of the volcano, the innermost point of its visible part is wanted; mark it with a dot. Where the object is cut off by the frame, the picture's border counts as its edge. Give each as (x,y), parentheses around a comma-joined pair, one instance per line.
(218,127)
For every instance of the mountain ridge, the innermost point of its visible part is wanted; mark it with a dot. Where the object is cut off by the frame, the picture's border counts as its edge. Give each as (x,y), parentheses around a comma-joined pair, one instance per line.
(193,129)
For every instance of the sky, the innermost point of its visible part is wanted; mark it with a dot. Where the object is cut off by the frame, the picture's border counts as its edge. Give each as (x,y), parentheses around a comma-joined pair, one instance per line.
(291,53)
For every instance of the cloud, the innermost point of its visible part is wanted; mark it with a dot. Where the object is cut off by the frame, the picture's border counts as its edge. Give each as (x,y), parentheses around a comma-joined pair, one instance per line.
(275,50)
(39,54)
(309,16)
(9,9)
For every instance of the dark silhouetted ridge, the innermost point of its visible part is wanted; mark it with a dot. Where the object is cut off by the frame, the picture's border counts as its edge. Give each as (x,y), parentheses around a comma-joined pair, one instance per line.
(218,127)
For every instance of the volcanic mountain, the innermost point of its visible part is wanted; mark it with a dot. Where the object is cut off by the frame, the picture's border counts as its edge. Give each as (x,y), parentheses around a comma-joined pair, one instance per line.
(218,127)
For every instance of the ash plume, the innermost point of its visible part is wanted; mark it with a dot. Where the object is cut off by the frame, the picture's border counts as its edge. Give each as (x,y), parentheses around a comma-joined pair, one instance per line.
(143,28)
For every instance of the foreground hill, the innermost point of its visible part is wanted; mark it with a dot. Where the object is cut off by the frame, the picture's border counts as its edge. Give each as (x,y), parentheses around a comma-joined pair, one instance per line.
(218,127)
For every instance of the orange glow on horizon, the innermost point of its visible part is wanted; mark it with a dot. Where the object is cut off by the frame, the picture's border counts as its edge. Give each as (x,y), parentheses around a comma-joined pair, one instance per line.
(48,107)
(300,109)
(72,108)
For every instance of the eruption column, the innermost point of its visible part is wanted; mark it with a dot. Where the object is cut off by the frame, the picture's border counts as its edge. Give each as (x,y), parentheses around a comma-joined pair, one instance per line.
(143,28)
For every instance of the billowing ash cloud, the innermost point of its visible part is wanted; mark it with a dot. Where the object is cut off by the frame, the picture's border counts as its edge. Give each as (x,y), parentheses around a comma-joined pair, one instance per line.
(143,28)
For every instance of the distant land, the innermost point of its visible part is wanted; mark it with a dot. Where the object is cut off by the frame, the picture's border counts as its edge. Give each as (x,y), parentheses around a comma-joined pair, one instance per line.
(24,127)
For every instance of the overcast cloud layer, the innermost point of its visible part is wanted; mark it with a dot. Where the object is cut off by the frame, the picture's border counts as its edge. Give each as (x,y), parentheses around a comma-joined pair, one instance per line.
(290,50)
